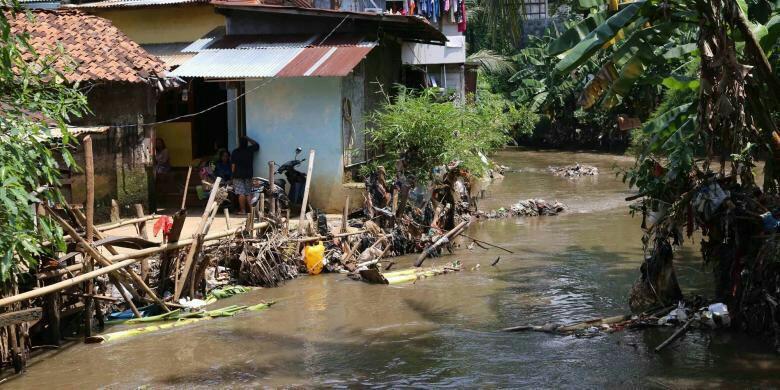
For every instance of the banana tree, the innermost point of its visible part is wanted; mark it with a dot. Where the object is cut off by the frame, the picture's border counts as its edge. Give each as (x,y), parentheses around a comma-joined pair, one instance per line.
(636,37)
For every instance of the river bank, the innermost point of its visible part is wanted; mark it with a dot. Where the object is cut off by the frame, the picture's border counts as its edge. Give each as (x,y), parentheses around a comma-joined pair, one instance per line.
(327,330)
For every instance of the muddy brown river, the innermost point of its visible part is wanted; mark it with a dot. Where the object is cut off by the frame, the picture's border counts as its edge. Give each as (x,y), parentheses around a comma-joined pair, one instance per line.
(329,331)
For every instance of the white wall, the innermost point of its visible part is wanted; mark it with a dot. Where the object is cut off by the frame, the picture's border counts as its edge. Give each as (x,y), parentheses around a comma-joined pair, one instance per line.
(305,112)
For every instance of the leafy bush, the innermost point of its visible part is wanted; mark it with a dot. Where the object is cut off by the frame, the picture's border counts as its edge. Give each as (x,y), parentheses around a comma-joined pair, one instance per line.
(425,130)
(34,100)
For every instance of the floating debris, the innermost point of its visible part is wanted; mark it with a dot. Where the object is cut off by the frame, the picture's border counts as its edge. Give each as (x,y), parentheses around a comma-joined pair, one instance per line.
(526,208)
(576,170)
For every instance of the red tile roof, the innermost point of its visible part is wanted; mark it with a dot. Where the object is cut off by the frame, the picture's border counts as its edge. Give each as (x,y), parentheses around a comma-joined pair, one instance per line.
(100,50)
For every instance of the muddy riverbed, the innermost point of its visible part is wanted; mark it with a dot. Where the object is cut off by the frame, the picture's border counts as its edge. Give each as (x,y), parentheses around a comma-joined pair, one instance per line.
(330,331)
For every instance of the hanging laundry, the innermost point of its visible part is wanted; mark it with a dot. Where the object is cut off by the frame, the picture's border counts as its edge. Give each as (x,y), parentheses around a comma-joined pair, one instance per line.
(453,7)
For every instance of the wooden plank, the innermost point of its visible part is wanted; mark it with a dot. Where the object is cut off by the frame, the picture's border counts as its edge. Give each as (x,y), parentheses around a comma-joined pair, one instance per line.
(20,316)
(306,191)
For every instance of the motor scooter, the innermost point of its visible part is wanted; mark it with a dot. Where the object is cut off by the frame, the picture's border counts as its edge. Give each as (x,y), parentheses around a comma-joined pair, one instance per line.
(260,185)
(296,178)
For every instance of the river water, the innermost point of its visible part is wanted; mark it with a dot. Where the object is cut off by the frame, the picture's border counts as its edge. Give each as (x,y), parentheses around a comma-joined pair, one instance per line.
(330,331)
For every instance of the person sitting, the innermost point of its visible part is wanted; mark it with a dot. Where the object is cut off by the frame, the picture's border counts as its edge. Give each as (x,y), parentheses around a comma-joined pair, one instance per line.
(162,160)
(242,161)
(223,167)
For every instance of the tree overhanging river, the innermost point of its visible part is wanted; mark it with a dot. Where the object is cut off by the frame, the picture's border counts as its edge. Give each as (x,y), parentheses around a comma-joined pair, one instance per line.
(328,330)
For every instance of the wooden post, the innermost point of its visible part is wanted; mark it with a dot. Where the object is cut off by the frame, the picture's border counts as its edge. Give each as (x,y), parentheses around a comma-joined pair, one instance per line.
(345,216)
(114,211)
(250,217)
(186,188)
(272,200)
(261,205)
(89,171)
(306,191)
(227,217)
(141,227)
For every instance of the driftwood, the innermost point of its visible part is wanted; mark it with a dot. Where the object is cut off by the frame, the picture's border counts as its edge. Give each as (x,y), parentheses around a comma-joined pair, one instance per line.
(677,334)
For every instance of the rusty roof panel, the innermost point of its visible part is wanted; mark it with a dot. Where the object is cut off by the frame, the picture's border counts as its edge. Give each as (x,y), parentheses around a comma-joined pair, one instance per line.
(341,62)
(133,3)
(274,62)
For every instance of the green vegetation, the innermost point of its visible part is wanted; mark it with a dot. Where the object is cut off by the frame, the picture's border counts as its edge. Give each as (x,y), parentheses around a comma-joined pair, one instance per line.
(427,129)
(35,99)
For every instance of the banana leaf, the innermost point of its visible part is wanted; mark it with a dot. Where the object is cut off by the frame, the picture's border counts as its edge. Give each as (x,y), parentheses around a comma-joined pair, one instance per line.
(577,33)
(597,38)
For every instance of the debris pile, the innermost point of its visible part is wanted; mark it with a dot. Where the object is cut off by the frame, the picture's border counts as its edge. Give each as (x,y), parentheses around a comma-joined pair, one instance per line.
(526,208)
(708,317)
(576,170)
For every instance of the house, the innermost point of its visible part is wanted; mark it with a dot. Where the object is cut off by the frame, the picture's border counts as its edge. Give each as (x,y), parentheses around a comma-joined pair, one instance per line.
(166,28)
(306,77)
(121,82)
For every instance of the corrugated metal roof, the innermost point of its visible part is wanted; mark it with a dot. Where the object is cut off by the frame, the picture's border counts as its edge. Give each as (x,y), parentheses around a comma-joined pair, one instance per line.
(170,53)
(134,3)
(288,40)
(205,41)
(234,63)
(274,62)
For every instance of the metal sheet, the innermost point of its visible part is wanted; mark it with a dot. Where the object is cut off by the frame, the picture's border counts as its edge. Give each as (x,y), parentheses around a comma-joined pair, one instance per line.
(132,3)
(237,63)
(170,53)
(273,62)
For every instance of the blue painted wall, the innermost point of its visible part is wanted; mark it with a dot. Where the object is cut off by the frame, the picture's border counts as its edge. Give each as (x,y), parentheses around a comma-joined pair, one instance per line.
(305,112)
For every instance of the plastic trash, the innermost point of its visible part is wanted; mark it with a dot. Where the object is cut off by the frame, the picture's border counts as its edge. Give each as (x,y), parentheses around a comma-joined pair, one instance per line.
(676,316)
(771,224)
(716,316)
(313,256)
(192,303)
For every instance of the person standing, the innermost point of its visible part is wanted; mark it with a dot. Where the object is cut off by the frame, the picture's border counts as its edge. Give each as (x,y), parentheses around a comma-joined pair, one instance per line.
(242,161)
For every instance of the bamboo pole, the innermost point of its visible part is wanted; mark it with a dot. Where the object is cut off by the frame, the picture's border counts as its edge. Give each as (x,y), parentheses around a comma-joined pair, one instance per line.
(118,278)
(141,226)
(446,238)
(119,262)
(306,191)
(195,246)
(227,217)
(94,255)
(186,188)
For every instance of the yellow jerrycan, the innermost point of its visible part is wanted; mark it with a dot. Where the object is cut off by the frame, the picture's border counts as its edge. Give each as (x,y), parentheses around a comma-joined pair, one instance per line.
(312,256)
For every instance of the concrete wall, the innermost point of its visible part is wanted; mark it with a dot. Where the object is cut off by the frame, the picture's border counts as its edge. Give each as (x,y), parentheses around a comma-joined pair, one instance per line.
(177,23)
(305,112)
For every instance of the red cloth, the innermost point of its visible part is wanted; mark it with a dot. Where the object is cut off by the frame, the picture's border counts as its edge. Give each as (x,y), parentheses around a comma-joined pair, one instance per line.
(164,223)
